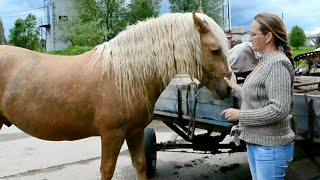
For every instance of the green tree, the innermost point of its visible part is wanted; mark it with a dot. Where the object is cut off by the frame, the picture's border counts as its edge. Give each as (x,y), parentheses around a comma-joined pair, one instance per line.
(184,5)
(138,10)
(83,26)
(112,14)
(25,33)
(212,8)
(297,37)
(93,21)
(80,32)
(2,37)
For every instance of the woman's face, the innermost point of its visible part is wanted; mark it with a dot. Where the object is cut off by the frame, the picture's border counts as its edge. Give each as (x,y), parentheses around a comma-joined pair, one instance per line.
(258,39)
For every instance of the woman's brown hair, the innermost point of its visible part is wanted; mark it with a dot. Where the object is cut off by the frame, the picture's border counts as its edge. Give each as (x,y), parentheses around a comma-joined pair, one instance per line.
(273,23)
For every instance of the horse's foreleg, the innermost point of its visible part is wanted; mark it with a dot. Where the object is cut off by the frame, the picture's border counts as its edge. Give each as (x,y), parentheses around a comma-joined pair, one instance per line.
(136,149)
(111,146)
(1,124)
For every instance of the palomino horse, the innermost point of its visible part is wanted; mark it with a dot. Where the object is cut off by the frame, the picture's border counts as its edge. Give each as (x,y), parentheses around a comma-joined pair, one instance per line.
(111,90)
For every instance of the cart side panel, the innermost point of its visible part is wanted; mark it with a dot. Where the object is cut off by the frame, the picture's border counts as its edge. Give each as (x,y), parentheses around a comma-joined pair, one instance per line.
(301,113)
(207,109)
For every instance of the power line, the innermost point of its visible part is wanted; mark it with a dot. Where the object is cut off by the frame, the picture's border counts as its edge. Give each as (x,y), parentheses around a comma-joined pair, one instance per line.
(17,12)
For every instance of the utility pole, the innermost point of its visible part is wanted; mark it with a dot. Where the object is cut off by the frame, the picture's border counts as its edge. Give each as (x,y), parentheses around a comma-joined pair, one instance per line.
(229,15)
(226,15)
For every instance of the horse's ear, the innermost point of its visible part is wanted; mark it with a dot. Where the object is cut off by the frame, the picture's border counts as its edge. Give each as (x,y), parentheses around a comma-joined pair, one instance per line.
(200,10)
(200,25)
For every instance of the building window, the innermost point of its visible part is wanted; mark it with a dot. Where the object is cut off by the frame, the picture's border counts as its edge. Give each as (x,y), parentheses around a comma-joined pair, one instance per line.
(63,18)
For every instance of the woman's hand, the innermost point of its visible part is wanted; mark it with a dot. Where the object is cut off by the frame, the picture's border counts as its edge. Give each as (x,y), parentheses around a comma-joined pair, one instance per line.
(232,82)
(231,114)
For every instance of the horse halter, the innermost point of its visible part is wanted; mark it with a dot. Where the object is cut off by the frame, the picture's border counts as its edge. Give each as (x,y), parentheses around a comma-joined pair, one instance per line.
(207,76)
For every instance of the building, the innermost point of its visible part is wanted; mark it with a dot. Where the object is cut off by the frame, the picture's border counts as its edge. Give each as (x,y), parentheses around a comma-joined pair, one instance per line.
(309,42)
(313,40)
(238,35)
(55,10)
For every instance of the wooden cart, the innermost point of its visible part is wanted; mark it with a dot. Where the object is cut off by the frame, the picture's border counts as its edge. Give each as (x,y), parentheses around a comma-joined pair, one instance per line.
(188,110)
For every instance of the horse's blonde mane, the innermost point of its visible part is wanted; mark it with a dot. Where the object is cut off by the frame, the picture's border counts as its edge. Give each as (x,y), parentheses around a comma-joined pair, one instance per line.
(156,49)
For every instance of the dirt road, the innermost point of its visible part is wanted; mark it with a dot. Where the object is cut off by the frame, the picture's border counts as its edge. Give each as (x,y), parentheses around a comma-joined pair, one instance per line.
(26,158)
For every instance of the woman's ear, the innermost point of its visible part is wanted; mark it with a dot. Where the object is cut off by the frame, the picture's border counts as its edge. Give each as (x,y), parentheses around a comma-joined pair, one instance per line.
(269,37)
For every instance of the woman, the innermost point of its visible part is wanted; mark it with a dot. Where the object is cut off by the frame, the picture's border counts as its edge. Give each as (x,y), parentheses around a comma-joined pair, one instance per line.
(266,98)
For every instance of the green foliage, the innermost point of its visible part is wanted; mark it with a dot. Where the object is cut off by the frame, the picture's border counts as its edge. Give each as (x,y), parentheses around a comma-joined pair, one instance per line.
(92,22)
(72,50)
(82,28)
(2,37)
(212,8)
(80,32)
(86,9)
(138,10)
(112,14)
(25,33)
(297,37)
(184,5)
(109,13)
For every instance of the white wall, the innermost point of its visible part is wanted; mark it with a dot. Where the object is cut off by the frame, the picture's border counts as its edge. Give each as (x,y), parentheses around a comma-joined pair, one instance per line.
(57,8)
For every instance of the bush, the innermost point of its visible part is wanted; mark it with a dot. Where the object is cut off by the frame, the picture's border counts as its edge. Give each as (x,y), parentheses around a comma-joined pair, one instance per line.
(72,50)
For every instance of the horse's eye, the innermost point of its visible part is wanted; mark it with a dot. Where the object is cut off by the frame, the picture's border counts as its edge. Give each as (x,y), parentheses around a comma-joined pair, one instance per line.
(215,52)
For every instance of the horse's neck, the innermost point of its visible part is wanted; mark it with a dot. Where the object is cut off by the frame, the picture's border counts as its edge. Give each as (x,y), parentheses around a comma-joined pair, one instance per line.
(154,89)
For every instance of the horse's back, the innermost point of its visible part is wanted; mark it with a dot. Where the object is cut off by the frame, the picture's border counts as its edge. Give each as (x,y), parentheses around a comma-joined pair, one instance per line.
(46,91)
(58,97)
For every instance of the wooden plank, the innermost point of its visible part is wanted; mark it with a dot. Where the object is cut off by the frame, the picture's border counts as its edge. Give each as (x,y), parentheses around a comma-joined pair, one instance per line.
(300,109)
(306,84)
(306,79)
(306,90)
(220,122)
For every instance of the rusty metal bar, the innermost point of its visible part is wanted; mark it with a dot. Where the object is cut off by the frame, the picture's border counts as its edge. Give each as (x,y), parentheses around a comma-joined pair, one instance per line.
(177,130)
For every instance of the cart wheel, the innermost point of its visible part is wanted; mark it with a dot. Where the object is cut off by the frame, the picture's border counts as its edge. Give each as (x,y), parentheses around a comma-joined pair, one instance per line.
(150,151)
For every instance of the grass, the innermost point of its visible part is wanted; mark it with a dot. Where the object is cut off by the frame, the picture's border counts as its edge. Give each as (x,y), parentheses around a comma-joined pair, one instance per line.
(71,50)
(302,50)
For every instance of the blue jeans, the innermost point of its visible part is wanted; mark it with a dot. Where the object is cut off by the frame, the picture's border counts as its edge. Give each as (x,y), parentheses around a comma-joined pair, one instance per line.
(269,162)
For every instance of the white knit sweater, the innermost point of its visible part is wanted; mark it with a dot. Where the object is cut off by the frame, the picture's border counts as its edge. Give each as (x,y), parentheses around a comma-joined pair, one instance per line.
(266,97)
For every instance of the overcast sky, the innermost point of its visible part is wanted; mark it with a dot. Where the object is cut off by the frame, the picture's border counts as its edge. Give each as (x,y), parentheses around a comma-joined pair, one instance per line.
(305,14)
(302,13)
